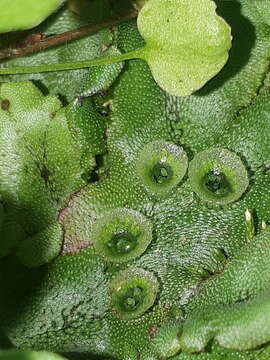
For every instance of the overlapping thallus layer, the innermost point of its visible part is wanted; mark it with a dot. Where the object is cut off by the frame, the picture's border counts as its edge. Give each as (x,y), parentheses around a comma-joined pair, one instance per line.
(124,223)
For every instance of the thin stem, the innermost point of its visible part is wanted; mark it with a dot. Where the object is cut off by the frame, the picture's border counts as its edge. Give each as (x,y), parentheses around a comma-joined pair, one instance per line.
(42,43)
(72,65)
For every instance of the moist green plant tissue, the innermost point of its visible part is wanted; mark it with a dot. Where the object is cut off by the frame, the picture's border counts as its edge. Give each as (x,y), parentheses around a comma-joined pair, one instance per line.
(134,224)
(16,15)
(185,56)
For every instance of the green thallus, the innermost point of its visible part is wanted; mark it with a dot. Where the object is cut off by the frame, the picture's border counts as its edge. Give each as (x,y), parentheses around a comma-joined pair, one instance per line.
(18,15)
(14,354)
(182,57)
(166,341)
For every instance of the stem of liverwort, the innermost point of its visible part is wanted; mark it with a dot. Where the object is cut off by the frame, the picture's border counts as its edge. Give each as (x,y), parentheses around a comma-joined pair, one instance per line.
(72,65)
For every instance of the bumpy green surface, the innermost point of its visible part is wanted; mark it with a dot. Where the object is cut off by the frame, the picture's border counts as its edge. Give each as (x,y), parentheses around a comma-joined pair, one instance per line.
(60,168)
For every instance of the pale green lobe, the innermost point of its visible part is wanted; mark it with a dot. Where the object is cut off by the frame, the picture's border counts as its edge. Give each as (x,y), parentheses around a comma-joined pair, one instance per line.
(18,15)
(41,248)
(186,43)
(39,162)
(166,342)
(28,355)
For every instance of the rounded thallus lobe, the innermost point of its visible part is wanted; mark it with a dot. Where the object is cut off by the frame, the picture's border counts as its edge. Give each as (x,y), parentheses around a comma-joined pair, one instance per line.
(218,176)
(121,235)
(166,340)
(191,47)
(21,16)
(133,292)
(14,354)
(161,166)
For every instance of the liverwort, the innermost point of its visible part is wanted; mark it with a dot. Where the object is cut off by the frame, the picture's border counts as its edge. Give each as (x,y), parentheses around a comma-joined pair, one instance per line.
(191,48)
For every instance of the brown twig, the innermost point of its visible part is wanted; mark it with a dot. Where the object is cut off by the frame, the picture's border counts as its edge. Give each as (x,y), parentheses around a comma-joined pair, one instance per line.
(37,42)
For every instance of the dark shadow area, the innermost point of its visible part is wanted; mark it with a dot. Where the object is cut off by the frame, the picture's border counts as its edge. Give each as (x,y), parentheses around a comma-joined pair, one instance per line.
(18,285)
(120,7)
(4,342)
(244,36)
